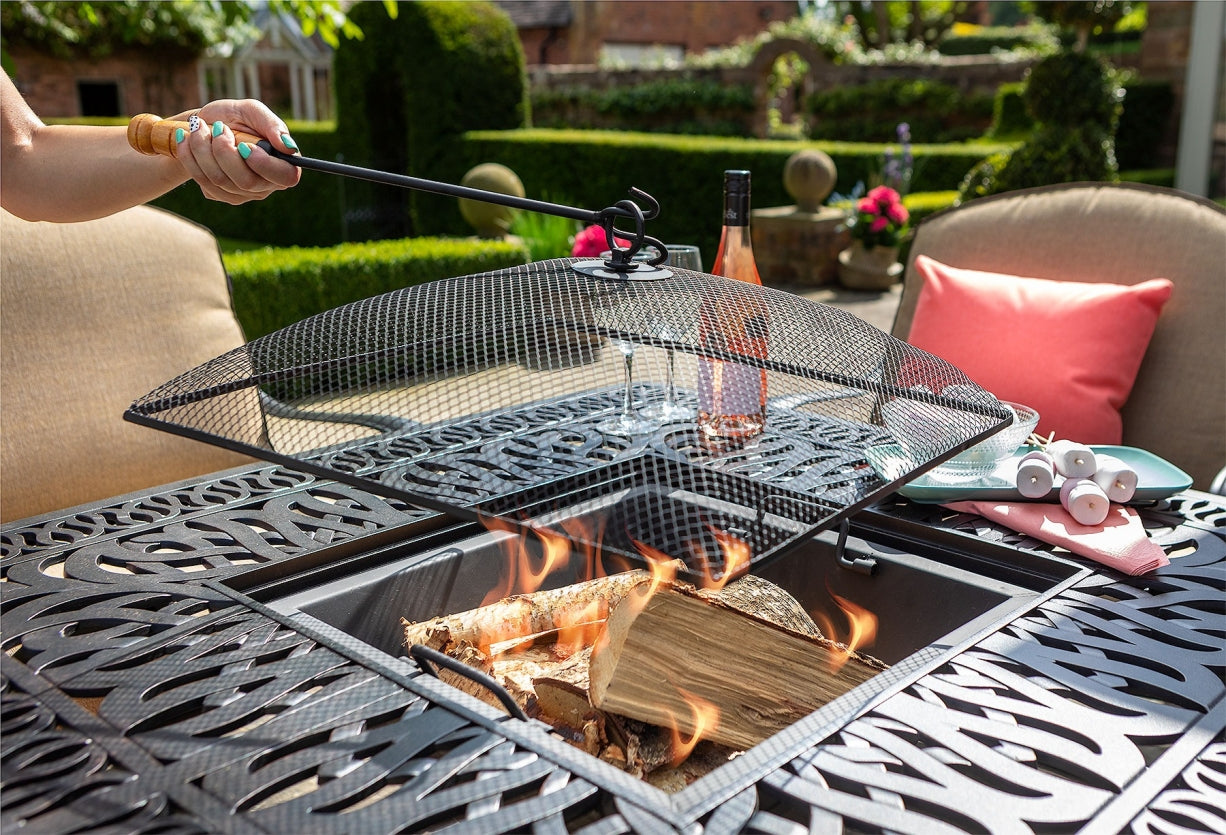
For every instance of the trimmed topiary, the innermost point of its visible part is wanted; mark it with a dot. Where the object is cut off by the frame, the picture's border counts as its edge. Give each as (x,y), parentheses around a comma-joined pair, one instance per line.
(412,86)
(1072,89)
(1076,101)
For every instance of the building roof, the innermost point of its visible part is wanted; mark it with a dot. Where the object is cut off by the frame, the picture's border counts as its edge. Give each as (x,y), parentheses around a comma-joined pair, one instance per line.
(537,14)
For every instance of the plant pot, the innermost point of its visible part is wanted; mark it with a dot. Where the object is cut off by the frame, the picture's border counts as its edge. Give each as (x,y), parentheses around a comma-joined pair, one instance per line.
(862,268)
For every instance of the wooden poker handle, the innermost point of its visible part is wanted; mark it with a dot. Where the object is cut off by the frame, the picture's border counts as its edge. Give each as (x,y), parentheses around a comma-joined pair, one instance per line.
(152,135)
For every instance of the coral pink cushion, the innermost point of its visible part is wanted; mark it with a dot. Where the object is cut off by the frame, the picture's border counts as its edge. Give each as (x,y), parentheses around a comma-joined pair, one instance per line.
(1068,349)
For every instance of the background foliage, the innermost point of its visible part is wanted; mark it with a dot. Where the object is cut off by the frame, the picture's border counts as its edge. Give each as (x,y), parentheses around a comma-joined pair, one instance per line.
(1075,100)
(273,288)
(408,92)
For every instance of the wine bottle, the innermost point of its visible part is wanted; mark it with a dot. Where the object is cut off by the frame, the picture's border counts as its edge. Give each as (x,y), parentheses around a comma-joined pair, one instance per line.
(732,395)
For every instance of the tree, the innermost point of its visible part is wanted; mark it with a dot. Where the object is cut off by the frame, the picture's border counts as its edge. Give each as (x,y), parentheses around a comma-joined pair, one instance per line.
(88,28)
(1085,17)
(882,22)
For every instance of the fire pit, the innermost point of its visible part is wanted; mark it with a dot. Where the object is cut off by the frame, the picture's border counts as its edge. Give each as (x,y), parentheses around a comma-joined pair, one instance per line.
(922,601)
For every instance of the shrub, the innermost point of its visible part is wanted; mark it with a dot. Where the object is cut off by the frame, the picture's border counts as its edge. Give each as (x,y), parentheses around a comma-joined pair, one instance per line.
(1144,115)
(1075,100)
(408,91)
(936,111)
(687,106)
(277,287)
(1009,116)
(685,173)
(985,40)
(1072,89)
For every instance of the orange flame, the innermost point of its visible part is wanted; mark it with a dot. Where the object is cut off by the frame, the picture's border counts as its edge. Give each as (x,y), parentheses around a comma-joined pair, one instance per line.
(579,629)
(861,632)
(703,719)
(515,551)
(736,559)
(525,572)
(663,573)
(582,534)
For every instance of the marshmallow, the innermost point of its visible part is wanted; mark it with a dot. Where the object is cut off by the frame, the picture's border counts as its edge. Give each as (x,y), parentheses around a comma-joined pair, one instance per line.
(1085,501)
(1117,479)
(1035,475)
(1072,460)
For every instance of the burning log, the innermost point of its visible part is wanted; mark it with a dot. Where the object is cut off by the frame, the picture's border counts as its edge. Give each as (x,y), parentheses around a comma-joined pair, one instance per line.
(686,660)
(612,701)
(524,616)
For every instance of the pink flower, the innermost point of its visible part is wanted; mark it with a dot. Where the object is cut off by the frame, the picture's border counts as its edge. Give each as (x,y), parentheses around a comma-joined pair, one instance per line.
(592,241)
(883,194)
(867,206)
(898,213)
(879,224)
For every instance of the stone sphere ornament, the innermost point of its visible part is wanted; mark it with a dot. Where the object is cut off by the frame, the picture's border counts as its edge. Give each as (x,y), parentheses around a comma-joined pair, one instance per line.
(489,219)
(809,176)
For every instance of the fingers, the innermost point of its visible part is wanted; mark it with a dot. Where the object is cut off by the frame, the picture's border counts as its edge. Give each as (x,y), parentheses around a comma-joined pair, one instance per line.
(251,116)
(236,172)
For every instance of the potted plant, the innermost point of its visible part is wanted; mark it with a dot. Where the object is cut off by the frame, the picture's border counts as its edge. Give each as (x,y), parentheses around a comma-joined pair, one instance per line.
(877,224)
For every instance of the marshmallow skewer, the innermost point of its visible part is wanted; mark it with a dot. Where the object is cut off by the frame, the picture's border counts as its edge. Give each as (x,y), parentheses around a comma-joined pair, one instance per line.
(1072,460)
(1115,478)
(1035,474)
(1085,501)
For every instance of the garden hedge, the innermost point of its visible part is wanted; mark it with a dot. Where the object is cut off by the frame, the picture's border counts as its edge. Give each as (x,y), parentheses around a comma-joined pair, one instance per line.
(273,288)
(936,111)
(672,105)
(685,174)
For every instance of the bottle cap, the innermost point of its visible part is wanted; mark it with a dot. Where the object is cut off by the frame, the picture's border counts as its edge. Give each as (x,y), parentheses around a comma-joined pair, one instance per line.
(736,182)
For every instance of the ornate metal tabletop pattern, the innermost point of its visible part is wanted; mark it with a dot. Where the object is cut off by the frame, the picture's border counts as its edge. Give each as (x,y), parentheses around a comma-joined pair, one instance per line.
(139,694)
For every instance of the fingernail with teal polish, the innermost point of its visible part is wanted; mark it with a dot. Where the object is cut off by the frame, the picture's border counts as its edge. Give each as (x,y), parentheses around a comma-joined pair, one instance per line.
(288,143)
(218,127)
(180,134)
(244,150)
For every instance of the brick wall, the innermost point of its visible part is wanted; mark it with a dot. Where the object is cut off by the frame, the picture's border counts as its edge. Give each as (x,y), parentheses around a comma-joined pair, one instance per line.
(147,83)
(695,26)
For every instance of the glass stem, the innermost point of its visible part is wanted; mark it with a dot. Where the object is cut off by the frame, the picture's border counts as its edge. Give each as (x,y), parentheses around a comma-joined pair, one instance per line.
(627,401)
(670,387)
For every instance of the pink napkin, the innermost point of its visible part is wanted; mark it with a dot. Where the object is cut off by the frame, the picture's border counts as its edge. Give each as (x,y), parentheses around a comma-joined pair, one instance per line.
(1120,542)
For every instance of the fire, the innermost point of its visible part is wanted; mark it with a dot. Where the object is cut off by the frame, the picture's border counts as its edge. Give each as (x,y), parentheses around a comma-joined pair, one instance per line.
(704,718)
(736,560)
(862,629)
(583,535)
(526,573)
(580,629)
(663,573)
(533,555)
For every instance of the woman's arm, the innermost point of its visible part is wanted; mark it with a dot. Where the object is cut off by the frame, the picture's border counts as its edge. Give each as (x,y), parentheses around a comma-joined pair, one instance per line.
(77,172)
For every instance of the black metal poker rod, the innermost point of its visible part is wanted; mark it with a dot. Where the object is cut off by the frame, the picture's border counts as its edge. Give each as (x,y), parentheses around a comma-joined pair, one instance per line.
(604,218)
(447,189)
(148,134)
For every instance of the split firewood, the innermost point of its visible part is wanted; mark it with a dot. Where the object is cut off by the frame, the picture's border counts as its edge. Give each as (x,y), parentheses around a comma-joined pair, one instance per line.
(655,662)
(523,615)
(758,598)
(561,693)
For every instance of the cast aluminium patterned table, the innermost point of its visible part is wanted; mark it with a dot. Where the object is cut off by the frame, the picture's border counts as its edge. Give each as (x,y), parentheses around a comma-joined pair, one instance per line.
(141,694)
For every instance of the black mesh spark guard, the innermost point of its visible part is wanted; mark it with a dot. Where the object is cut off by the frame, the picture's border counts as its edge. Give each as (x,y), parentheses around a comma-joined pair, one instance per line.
(485,395)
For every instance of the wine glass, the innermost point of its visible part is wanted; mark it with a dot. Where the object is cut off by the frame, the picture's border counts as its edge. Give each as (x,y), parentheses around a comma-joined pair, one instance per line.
(687,257)
(628,421)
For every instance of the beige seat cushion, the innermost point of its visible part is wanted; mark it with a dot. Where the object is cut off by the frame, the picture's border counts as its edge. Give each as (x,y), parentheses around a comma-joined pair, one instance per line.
(93,315)
(1120,234)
